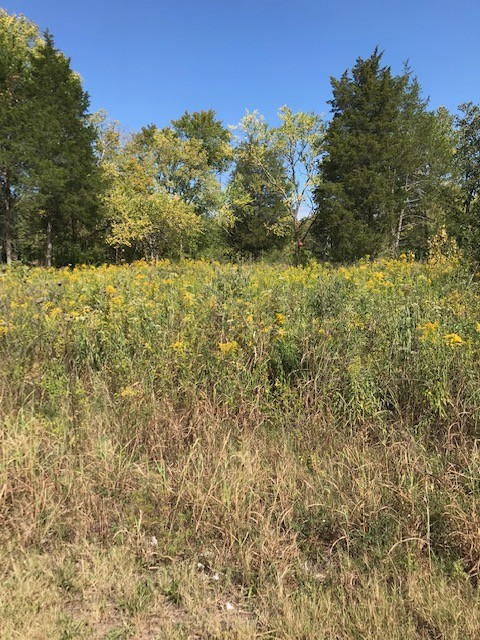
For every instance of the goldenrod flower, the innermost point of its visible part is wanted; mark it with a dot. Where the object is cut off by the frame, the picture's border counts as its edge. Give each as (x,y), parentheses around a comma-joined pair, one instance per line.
(428,330)
(453,340)
(131,391)
(228,347)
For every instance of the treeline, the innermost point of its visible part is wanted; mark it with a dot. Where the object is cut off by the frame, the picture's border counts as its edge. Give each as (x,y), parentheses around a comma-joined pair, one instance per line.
(384,175)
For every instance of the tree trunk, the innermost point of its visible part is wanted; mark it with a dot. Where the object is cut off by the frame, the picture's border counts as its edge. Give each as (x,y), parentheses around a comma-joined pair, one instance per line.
(48,245)
(9,253)
(296,238)
(398,234)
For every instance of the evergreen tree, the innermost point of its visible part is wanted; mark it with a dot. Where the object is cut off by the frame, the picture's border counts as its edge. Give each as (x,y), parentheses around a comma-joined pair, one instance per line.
(465,224)
(17,39)
(385,158)
(64,178)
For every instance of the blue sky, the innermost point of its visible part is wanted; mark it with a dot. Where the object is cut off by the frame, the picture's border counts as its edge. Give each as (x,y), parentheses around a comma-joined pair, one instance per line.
(148,61)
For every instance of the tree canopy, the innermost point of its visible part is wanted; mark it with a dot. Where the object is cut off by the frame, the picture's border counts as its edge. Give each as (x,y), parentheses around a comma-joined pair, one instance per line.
(381,175)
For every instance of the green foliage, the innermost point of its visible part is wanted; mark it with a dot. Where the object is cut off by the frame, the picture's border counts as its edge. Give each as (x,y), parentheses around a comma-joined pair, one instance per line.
(179,167)
(287,158)
(64,179)
(385,160)
(144,217)
(215,138)
(465,224)
(259,220)
(18,37)
(386,176)
(158,184)
(50,180)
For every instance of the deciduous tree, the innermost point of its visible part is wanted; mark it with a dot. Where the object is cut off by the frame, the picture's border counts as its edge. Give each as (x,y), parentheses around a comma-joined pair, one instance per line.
(297,143)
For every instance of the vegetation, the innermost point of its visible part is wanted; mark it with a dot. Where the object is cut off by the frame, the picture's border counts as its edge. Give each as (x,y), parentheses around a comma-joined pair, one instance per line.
(202,450)
(382,176)
(198,448)
(387,159)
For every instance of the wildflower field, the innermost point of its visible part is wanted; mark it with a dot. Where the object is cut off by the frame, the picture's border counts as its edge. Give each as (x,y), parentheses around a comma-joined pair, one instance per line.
(197,450)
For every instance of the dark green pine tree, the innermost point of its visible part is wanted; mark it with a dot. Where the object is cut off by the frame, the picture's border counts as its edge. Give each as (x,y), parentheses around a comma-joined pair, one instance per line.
(356,197)
(465,223)
(385,158)
(17,38)
(64,178)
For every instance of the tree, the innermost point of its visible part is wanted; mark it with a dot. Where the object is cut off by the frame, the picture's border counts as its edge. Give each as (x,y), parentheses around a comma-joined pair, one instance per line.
(18,38)
(143,216)
(467,157)
(108,136)
(63,178)
(259,222)
(297,144)
(385,158)
(180,167)
(424,156)
(215,138)
(466,221)
(144,210)
(356,197)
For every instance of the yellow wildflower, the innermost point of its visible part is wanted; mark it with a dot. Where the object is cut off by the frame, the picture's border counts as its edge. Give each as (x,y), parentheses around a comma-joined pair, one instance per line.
(131,391)
(55,312)
(117,301)
(110,290)
(228,347)
(453,340)
(3,329)
(428,331)
(189,298)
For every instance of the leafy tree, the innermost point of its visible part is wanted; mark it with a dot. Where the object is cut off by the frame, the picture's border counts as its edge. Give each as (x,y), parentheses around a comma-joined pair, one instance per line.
(385,159)
(180,167)
(18,37)
(425,149)
(108,136)
(258,218)
(467,158)
(215,138)
(143,216)
(296,142)
(63,178)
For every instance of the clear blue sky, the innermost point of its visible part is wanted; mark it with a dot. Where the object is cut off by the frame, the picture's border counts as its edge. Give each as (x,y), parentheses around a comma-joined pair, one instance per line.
(148,61)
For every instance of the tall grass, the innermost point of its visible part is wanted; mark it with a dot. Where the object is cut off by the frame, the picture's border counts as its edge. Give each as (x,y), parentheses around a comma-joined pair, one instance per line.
(196,450)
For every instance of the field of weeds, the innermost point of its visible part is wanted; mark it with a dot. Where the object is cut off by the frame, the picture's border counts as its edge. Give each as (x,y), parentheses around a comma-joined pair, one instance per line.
(202,451)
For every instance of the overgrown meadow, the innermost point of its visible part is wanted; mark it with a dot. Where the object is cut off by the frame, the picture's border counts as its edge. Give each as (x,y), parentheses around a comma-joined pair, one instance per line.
(201,450)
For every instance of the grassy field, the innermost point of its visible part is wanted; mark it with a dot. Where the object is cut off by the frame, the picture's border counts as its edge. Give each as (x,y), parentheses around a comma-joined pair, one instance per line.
(203,451)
